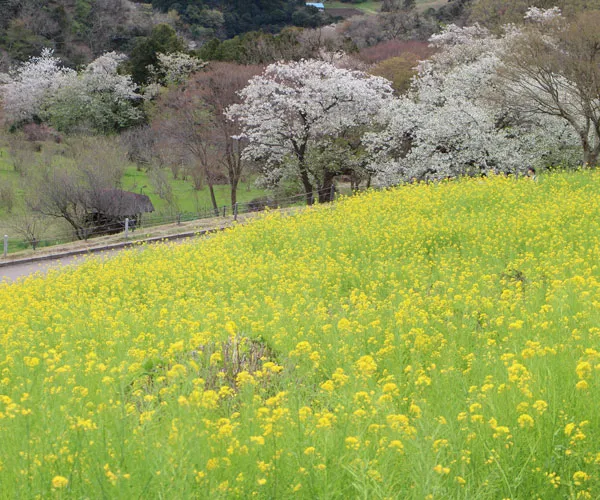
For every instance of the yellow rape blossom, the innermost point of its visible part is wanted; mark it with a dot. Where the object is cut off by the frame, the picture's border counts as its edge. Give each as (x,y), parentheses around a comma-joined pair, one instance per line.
(59,482)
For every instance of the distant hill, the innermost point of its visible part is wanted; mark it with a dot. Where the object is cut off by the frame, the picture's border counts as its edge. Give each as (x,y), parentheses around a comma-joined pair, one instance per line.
(79,30)
(239,16)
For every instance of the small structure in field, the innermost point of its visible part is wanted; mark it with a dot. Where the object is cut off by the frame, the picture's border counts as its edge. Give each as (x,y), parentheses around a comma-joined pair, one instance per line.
(316,5)
(110,207)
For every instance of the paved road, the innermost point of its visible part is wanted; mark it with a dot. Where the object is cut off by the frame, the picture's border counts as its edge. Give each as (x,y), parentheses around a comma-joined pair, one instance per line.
(12,273)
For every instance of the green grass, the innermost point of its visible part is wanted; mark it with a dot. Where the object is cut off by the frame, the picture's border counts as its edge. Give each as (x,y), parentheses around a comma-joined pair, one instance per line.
(185,200)
(6,164)
(369,7)
(423,5)
(373,6)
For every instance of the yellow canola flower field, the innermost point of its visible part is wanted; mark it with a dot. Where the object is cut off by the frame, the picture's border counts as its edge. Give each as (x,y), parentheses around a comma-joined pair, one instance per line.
(429,341)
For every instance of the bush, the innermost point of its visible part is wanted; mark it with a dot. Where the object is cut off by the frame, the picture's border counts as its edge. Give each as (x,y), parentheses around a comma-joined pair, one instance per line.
(36,132)
(259,204)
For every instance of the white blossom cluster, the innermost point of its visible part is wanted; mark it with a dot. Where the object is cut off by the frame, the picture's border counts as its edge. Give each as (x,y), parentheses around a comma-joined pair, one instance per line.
(454,122)
(98,97)
(293,107)
(542,16)
(174,68)
(26,88)
(444,126)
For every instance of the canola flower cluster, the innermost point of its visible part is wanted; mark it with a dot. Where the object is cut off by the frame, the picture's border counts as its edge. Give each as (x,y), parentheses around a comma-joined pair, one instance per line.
(430,341)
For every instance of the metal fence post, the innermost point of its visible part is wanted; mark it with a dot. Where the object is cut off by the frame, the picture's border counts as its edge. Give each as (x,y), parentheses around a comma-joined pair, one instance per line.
(127,228)
(332,196)
(179,219)
(235,211)
(224,210)
(5,245)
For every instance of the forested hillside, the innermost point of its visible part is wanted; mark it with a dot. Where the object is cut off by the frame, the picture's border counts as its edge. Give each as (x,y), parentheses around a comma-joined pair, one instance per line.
(76,29)
(79,30)
(234,16)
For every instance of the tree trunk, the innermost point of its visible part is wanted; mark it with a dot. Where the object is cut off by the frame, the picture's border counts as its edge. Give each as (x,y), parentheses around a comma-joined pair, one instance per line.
(326,189)
(211,188)
(234,165)
(81,232)
(590,152)
(300,151)
(233,183)
(213,198)
(590,156)
(308,187)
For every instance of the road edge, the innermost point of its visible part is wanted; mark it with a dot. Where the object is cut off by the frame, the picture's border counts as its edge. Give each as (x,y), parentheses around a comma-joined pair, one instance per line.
(112,246)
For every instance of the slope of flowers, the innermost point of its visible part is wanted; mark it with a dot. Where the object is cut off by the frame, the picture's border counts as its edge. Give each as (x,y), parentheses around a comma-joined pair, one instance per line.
(430,341)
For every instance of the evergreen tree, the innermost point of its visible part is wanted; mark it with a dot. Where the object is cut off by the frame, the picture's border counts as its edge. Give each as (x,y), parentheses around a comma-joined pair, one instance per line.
(163,39)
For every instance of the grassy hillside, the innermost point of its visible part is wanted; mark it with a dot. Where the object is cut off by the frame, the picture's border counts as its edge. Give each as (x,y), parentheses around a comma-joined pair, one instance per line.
(430,341)
(185,199)
(374,6)
(369,7)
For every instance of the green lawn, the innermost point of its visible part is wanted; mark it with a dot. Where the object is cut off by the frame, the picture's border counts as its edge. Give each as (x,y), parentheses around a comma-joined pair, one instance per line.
(374,6)
(369,7)
(185,200)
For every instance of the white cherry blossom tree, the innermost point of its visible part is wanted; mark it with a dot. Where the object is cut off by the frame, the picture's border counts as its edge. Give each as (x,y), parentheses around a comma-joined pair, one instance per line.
(552,70)
(453,121)
(174,68)
(25,89)
(294,109)
(97,99)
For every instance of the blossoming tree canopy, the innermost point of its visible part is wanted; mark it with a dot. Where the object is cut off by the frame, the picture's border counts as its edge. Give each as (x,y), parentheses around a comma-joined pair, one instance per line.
(292,109)
(27,86)
(98,97)
(457,121)
(553,68)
